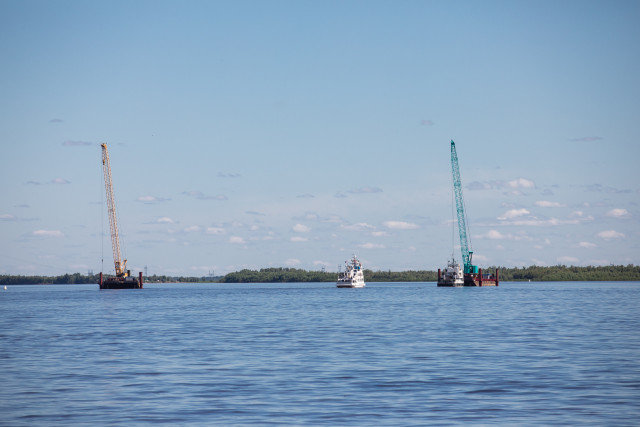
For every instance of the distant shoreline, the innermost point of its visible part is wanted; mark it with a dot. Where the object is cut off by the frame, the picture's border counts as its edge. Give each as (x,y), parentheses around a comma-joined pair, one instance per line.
(559,273)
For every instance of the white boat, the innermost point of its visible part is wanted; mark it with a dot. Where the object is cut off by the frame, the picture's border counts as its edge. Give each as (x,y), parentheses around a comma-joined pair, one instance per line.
(452,275)
(353,276)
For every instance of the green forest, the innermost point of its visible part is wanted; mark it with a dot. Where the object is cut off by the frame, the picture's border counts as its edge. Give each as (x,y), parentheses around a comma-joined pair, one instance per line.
(559,273)
(77,278)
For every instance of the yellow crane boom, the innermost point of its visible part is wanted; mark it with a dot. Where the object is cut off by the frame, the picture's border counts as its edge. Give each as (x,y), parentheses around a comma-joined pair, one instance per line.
(121,267)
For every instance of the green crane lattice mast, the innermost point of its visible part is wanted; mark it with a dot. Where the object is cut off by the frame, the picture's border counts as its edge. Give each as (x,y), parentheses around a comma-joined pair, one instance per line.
(462,223)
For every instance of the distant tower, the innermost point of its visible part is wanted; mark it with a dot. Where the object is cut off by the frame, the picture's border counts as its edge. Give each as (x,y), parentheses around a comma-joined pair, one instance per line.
(90,272)
(211,274)
(145,271)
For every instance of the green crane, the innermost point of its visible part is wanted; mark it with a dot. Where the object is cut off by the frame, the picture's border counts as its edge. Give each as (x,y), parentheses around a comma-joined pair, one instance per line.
(467,255)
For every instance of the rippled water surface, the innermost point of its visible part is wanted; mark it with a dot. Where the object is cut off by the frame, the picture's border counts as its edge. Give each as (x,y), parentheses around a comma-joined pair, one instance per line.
(311,354)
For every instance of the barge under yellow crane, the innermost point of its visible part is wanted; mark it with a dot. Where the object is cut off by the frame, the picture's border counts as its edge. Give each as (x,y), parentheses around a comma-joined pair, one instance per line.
(123,278)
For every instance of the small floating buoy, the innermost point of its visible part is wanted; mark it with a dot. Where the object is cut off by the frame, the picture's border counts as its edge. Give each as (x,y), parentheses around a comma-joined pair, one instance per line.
(5,287)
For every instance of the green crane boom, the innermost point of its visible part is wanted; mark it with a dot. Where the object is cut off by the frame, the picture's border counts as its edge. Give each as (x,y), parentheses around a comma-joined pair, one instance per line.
(462,223)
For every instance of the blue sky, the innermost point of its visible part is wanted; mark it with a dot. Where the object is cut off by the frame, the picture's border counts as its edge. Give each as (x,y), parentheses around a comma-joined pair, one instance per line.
(252,134)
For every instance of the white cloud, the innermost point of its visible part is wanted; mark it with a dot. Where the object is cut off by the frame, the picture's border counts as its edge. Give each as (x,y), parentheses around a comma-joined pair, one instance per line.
(202,196)
(151,199)
(322,263)
(236,239)
(587,245)
(568,260)
(192,229)
(521,183)
(600,262)
(7,217)
(379,233)
(361,226)
(300,228)
(550,222)
(610,235)
(372,246)
(496,235)
(619,213)
(548,204)
(366,190)
(292,261)
(298,239)
(514,185)
(400,225)
(165,220)
(59,181)
(514,213)
(514,193)
(477,185)
(48,233)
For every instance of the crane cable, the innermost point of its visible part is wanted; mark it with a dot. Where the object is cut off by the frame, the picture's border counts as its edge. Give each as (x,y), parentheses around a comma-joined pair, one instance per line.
(453,221)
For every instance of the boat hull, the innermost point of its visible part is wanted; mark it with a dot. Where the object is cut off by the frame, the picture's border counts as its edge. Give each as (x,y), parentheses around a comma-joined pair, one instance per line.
(350,285)
(121,282)
(450,283)
(477,279)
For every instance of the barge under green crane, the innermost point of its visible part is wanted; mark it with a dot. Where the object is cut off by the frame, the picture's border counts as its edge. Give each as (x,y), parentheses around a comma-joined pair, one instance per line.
(472,275)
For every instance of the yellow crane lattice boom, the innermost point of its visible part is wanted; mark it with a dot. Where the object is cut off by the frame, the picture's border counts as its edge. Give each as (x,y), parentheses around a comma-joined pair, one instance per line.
(113,220)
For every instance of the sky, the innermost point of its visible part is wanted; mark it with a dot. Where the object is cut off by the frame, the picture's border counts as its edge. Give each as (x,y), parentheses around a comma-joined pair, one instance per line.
(256,134)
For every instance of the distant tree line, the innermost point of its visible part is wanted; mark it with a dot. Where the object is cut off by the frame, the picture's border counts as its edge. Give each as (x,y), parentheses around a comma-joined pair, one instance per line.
(278,275)
(400,276)
(558,273)
(88,279)
(562,273)
(65,279)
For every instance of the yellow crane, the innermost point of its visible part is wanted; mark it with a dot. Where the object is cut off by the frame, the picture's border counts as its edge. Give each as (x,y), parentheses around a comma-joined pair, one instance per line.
(123,277)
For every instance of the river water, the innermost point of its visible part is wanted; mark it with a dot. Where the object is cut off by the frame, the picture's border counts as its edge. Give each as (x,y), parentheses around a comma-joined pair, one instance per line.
(310,354)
